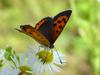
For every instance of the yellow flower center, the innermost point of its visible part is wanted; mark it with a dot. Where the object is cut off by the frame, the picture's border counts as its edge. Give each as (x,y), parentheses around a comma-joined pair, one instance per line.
(25,70)
(45,56)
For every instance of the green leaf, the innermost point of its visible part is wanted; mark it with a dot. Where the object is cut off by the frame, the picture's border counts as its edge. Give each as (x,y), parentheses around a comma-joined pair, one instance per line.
(1,63)
(11,56)
(8,54)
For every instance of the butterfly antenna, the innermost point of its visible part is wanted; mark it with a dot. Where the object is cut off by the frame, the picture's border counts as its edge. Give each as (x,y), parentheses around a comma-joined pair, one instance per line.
(58,56)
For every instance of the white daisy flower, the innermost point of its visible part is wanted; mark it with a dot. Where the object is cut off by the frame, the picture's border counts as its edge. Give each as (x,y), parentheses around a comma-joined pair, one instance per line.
(21,68)
(45,60)
(8,70)
(5,68)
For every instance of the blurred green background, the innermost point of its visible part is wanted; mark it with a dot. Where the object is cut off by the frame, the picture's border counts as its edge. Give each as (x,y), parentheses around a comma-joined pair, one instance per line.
(80,39)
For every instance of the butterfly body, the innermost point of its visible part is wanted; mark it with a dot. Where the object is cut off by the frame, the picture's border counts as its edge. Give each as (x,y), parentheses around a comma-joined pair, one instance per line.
(48,29)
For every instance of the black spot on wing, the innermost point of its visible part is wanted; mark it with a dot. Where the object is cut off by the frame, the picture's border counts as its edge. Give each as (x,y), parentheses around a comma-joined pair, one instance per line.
(60,26)
(24,27)
(55,24)
(57,31)
(59,21)
(64,20)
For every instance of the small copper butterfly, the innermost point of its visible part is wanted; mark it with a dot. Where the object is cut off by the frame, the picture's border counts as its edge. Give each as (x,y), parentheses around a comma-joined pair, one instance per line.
(48,29)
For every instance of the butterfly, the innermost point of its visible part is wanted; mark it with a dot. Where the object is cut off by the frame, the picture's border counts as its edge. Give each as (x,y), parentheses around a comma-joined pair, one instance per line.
(47,30)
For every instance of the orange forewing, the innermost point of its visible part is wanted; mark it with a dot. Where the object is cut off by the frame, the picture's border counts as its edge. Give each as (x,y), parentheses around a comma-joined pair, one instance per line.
(58,26)
(29,30)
